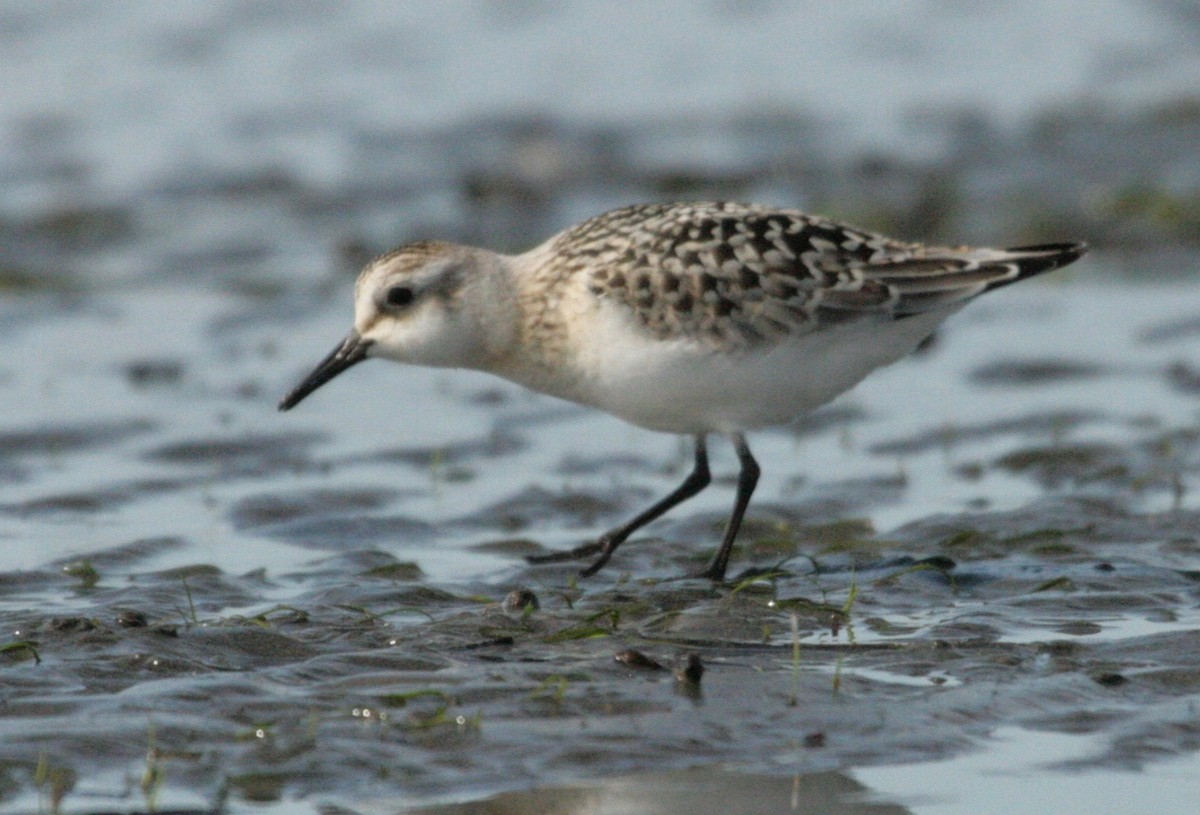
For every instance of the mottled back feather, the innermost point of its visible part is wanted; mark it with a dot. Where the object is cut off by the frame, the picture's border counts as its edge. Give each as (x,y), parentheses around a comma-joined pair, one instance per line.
(733,275)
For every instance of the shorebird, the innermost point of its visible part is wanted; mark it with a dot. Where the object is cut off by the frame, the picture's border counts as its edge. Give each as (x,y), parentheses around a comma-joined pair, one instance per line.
(690,318)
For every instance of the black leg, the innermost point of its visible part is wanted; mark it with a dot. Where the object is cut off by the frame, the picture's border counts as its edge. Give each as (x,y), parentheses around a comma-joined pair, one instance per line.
(747,480)
(697,480)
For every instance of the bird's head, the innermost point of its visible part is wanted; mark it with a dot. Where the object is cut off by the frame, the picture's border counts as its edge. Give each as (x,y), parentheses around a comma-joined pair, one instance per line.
(416,304)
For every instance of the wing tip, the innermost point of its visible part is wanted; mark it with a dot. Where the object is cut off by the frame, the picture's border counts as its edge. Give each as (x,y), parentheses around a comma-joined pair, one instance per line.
(1044,257)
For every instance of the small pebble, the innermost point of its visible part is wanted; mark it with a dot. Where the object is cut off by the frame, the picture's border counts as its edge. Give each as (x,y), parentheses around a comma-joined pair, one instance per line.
(131,619)
(636,659)
(520,601)
(71,624)
(691,670)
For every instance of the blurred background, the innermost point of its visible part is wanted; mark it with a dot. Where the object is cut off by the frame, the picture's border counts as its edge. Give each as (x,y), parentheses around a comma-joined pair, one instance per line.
(187,190)
(248,144)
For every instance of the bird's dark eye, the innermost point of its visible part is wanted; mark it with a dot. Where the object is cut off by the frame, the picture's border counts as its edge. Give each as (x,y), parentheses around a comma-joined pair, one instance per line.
(399,296)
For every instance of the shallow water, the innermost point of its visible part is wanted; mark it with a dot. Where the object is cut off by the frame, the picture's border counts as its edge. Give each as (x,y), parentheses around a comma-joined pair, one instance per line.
(308,607)
(980,570)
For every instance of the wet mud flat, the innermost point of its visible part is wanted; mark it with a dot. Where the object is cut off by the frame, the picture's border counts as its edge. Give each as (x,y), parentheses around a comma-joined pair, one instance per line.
(208,611)
(209,607)
(837,647)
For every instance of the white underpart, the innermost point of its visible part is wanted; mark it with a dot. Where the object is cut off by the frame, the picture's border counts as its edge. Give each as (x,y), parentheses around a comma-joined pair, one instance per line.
(684,387)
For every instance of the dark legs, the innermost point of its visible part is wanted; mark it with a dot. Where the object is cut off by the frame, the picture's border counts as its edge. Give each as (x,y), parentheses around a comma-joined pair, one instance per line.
(747,480)
(697,480)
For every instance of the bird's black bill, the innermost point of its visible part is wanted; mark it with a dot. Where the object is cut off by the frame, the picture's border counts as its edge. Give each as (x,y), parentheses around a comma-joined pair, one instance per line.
(352,351)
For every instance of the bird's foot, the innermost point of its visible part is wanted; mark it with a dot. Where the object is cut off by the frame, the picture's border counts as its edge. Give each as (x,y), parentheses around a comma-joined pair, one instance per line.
(714,572)
(605,546)
(578,553)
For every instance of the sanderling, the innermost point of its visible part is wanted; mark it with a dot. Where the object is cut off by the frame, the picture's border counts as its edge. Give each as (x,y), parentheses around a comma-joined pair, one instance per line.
(691,318)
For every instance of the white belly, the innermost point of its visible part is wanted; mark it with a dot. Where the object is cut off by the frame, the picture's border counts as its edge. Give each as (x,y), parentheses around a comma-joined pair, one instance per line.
(683,387)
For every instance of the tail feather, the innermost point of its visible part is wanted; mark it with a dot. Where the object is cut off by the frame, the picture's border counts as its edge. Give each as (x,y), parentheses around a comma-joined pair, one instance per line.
(1032,260)
(943,277)
(933,278)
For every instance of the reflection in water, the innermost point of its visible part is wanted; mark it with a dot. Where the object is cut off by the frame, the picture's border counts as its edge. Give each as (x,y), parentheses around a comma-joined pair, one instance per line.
(701,791)
(1027,771)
